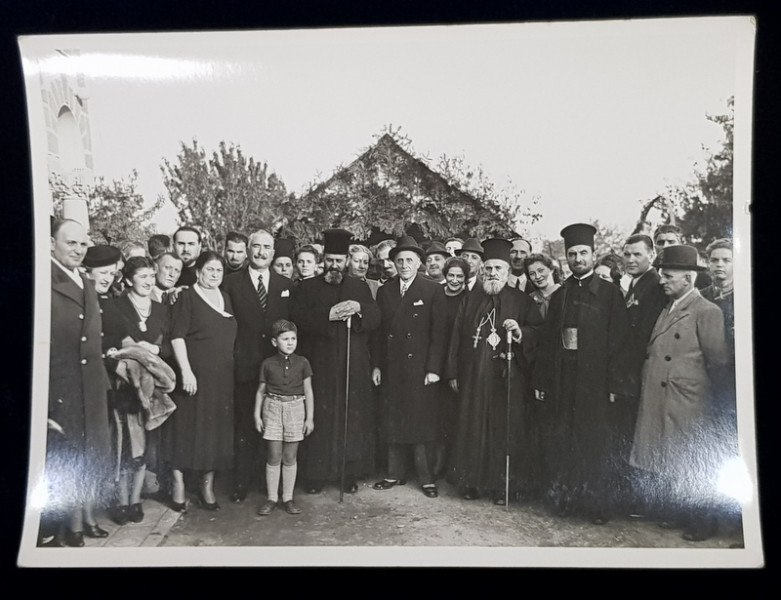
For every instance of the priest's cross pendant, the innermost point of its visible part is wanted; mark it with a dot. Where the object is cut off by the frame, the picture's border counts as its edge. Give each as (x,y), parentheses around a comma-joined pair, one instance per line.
(476,337)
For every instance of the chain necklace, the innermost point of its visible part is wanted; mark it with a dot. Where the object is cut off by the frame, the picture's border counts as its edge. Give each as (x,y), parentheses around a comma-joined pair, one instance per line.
(142,317)
(493,338)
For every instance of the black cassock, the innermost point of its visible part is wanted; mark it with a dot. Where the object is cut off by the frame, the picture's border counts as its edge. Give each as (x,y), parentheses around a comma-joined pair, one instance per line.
(481,371)
(324,343)
(581,427)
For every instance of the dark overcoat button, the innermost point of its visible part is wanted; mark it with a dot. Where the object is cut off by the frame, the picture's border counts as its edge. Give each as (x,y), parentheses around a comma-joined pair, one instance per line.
(415,315)
(390,336)
(668,358)
(677,336)
(664,384)
(409,336)
(409,355)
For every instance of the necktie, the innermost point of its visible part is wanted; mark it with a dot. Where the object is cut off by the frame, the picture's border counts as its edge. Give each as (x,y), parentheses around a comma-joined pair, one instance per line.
(262,296)
(403,289)
(630,294)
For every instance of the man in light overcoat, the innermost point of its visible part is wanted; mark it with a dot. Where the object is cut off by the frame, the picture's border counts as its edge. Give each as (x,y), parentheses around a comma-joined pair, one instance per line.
(673,439)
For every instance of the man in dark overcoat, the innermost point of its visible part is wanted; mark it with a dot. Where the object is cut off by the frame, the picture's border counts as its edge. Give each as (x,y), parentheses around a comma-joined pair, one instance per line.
(255,311)
(644,301)
(407,353)
(322,308)
(580,374)
(78,443)
(476,369)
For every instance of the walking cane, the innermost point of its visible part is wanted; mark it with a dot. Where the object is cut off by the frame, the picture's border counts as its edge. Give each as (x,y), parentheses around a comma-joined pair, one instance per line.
(507,441)
(346,409)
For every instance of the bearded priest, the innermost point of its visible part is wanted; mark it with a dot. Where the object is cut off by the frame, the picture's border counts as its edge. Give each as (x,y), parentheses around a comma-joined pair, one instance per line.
(477,370)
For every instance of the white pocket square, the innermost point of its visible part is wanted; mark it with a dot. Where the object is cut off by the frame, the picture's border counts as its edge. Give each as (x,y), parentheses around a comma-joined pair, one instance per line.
(418,303)
(284,294)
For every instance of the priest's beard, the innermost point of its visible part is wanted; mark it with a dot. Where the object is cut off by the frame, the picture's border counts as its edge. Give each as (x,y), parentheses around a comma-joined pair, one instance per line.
(334,276)
(493,286)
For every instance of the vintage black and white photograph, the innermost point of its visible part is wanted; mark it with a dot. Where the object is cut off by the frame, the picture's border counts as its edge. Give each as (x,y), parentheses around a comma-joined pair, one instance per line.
(394,296)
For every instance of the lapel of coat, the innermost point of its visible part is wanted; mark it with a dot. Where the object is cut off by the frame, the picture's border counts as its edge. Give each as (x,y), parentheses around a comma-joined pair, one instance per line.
(64,285)
(667,319)
(250,291)
(410,296)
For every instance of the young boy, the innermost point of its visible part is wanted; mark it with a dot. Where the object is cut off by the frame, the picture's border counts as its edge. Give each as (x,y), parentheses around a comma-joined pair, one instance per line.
(286,403)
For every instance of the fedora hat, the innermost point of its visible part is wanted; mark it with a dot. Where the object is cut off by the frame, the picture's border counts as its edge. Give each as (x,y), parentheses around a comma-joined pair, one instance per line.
(407,243)
(683,258)
(437,248)
(471,245)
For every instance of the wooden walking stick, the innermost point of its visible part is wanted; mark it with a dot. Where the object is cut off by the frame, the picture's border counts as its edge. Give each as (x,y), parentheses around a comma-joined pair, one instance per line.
(507,441)
(346,409)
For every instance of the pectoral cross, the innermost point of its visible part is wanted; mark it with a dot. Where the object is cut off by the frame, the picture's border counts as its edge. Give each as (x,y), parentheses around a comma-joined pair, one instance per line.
(477,337)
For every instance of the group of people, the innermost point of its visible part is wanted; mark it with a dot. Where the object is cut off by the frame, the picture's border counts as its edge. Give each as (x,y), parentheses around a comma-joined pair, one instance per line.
(473,361)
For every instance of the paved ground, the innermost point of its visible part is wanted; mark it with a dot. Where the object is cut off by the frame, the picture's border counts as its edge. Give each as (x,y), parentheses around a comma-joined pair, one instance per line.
(401,516)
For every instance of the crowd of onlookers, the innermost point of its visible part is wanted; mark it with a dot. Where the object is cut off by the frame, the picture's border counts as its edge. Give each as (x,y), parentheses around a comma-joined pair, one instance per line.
(600,385)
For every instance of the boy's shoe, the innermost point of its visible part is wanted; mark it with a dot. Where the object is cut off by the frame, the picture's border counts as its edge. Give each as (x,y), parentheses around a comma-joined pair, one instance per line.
(291,508)
(267,508)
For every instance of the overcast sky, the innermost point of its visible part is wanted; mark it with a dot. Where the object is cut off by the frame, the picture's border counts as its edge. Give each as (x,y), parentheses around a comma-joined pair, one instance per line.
(592,118)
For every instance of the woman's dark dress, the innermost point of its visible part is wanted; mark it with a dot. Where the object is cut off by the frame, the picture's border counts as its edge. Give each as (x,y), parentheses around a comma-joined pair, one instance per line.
(199,433)
(120,320)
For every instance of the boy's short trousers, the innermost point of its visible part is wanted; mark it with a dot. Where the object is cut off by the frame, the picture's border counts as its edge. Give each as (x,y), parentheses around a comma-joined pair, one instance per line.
(283,418)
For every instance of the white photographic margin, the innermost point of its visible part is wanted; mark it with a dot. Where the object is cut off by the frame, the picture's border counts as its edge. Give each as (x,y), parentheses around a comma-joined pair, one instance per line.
(34,47)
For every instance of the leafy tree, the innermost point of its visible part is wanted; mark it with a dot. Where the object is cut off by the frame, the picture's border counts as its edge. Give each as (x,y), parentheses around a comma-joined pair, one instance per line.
(704,204)
(390,190)
(224,192)
(116,210)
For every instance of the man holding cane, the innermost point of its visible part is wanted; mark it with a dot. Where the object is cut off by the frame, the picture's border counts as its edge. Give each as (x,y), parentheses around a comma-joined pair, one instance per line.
(477,369)
(321,308)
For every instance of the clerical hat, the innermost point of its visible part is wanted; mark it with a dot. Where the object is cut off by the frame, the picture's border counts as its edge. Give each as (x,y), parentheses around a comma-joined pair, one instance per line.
(682,258)
(437,248)
(101,256)
(471,245)
(336,241)
(406,243)
(284,247)
(497,248)
(579,234)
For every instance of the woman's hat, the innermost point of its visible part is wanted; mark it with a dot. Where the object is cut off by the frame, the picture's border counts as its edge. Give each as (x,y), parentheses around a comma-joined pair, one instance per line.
(497,248)
(407,243)
(579,234)
(471,245)
(437,248)
(336,241)
(101,256)
(683,258)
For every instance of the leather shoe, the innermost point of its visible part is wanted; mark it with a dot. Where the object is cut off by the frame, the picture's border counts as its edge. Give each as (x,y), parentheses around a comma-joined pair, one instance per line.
(119,514)
(387,484)
(500,501)
(267,508)
(74,539)
(291,508)
(470,494)
(212,506)
(94,531)
(238,496)
(136,513)
(430,491)
(179,507)
(350,486)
